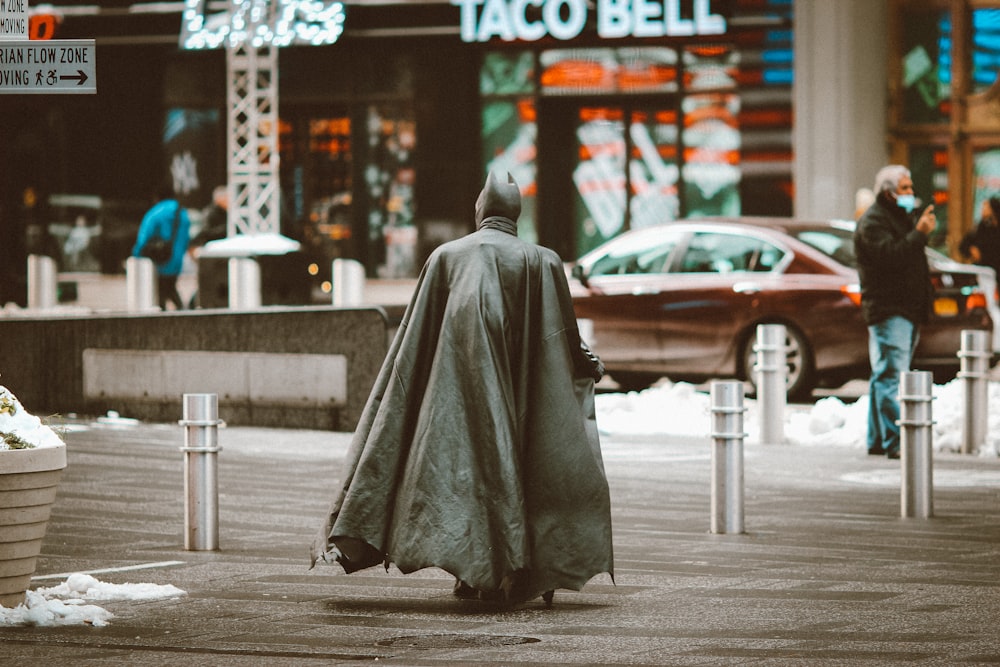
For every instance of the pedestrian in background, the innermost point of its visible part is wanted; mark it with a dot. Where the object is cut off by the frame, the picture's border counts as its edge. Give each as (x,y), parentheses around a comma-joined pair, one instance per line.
(167,224)
(895,295)
(215,226)
(981,244)
(216,218)
(478,451)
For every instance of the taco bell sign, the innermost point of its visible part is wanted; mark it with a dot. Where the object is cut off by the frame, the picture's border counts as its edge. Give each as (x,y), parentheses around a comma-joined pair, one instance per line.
(484,20)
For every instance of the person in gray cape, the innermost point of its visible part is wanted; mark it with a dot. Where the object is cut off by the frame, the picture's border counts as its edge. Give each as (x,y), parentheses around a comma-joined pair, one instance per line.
(477,451)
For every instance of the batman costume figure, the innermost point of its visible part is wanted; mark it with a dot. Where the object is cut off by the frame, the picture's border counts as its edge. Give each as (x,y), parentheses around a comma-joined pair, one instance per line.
(477,451)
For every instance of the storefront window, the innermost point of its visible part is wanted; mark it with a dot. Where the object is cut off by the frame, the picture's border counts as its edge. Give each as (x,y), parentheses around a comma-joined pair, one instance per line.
(190,144)
(329,168)
(926,65)
(711,154)
(599,176)
(507,73)
(710,67)
(765,78)
(985,48)
(985,177)
(607,71)
(711,135)
(509,134)
(653,173)
(631,136)
(929,167)
(578,71)
(389,180)
(646,70)
(509,127)
(602,186)
(316,179)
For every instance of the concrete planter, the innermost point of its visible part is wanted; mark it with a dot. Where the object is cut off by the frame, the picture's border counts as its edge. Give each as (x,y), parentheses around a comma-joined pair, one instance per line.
(28,482)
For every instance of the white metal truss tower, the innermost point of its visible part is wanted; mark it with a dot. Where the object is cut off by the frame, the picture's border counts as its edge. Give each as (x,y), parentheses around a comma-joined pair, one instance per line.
(252,100)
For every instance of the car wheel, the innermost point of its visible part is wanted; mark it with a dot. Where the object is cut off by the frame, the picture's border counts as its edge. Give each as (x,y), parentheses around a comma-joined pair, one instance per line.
(801,370)
(634,380)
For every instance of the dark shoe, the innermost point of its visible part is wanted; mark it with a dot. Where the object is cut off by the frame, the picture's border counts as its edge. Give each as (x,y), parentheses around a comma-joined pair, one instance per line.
(876,451)
(547,597)
(892,454)
(464,591)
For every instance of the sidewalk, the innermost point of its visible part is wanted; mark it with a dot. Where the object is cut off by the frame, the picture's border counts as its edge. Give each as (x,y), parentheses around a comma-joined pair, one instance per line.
(826,574)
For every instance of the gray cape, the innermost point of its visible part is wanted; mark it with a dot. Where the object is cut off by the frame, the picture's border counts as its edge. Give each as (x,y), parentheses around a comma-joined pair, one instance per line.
(478,451)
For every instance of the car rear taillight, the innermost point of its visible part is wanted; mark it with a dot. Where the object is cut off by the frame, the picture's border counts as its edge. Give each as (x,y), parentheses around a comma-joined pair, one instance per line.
(852,292)
(975,300)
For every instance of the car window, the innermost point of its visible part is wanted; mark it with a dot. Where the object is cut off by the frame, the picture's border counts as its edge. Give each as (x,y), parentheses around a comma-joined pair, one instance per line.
(712,252)
(835,243)
(645,255)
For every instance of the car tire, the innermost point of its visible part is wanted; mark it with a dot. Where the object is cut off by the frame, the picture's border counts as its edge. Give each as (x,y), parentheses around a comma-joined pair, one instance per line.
(801,367)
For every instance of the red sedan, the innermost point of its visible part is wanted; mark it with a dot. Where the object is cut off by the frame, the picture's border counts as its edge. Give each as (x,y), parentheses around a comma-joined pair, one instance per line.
(683,300)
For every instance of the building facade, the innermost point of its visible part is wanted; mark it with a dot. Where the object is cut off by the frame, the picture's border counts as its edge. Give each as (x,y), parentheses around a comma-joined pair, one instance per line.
(610,114)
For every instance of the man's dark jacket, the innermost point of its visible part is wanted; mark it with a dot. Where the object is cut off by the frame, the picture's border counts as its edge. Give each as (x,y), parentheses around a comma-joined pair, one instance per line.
(892,264)
(477,452)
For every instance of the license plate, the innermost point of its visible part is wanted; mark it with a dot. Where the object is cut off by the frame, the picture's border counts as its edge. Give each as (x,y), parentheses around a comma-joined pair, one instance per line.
(945,307)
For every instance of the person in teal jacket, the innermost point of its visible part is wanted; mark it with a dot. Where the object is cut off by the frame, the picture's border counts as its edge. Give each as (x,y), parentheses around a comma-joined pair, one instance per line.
(167,219)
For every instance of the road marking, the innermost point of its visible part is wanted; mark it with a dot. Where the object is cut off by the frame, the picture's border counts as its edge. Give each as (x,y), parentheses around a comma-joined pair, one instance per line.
(127,568)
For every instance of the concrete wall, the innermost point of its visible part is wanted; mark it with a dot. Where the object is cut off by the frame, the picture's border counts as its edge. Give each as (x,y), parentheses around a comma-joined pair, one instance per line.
(42,362)
(841,98)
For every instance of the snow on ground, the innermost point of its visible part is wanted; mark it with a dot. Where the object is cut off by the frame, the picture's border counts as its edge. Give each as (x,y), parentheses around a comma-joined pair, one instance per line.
(66,603)
(680,409)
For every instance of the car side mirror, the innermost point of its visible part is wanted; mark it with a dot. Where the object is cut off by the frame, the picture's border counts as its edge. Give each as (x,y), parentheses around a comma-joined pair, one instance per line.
(580,274)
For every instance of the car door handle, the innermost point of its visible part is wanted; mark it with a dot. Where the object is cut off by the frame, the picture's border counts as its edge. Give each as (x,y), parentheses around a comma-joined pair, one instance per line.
(746,288)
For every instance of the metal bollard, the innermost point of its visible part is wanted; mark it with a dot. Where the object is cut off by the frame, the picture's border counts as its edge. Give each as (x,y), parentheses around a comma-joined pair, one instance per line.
(974,357)
(201,485)
(727,456)
(244,283)
(772,381)
(42,283)
(348,282)
(916,491)
(140,284)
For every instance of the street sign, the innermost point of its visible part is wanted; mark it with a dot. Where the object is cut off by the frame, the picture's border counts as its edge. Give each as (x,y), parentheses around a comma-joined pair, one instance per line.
(14,19)
(67,66)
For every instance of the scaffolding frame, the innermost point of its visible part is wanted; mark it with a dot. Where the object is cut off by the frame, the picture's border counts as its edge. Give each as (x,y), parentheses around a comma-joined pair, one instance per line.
(253,163)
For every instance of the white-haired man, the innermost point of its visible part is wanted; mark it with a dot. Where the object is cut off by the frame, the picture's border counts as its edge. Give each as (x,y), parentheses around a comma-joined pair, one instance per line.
(895,295)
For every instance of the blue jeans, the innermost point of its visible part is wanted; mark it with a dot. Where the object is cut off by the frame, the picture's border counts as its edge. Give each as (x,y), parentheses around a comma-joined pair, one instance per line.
(890,348)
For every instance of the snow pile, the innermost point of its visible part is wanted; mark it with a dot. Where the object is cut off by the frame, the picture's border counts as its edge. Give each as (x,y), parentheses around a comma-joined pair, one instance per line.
(66,603)
(675,409)
(681,410)
(17,422)
(250,245)
(829,423)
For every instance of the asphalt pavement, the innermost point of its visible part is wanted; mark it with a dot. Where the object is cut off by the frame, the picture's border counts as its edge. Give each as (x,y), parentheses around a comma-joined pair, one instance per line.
(826,573)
